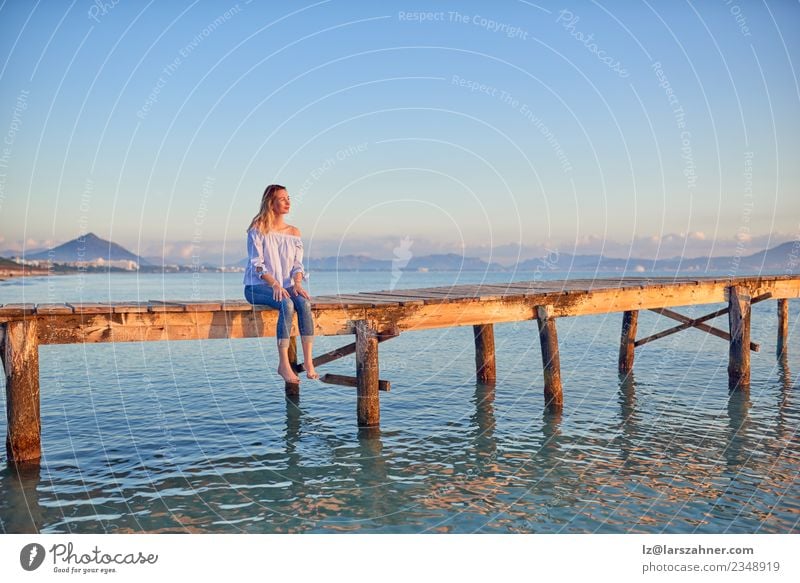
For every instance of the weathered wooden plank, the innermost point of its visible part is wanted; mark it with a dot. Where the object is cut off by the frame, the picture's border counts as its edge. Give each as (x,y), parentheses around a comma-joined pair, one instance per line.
(17,310)
(334,319)
(338,302)
(90,308)
(164,306)
(485,365)
(149,326)
(21,361)
(345,381)
(429,298)
(368,410)
(53,309)
(364,300)
(739,353)
(198,306)
(551,363)
(401,300)
(127,307)
(239,306)
(627,341)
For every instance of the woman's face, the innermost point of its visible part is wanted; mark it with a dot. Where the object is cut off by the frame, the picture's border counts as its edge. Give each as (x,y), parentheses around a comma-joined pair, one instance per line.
(281,203)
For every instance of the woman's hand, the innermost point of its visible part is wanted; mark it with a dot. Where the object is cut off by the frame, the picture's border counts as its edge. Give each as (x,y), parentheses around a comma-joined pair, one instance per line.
(299,291)
(278,293)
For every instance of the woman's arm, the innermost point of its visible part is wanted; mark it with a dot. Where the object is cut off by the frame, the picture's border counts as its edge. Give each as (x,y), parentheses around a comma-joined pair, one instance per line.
(298,271)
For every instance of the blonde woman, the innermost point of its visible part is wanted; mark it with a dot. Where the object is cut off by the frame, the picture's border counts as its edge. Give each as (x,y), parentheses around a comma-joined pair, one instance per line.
(274,276)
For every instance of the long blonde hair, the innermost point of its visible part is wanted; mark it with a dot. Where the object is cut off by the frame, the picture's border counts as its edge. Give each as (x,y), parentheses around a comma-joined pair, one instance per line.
(265,218)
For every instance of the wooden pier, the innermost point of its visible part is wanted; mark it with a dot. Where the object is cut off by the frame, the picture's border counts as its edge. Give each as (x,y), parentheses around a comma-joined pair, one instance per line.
(376,317)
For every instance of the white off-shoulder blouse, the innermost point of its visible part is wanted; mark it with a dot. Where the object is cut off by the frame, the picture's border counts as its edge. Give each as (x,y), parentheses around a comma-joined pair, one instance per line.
(278,254)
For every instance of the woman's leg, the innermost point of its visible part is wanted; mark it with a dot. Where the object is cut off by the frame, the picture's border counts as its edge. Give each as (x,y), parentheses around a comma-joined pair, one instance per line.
(305,321)
(262,295)
(285,318)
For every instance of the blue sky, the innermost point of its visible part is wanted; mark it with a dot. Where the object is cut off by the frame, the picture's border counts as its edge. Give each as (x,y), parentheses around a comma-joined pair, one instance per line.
(629,128)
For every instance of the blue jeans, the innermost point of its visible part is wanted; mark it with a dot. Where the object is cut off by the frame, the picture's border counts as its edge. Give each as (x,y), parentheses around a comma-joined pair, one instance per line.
(262,295)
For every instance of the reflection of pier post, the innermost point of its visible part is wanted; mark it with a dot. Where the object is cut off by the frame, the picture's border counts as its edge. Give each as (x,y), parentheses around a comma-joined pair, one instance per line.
(21,511)
(485,442)
(293,421)
(374,481)
(627,394)
(737,450)
(629,429)
(785,378)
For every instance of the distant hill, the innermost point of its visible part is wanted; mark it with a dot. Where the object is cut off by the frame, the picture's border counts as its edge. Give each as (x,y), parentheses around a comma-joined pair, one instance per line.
(784,258)
(87,248)
(8,265)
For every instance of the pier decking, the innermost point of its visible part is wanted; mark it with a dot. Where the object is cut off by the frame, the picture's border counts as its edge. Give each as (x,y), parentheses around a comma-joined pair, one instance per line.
(375,317)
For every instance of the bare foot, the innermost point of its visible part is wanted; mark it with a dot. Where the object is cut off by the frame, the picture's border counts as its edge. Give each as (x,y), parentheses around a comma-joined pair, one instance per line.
(311,373)
(288,375)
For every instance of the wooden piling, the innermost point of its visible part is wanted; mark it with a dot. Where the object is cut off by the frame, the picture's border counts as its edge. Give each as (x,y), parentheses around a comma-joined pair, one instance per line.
(739,352)
(21,362)
(368,409)
(548,338)
(627,341)
(292,353)
(783,326)
(292,390)
(485,367)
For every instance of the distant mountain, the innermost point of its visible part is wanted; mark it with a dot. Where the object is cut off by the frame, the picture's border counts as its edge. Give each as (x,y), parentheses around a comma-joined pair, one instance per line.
(84,249)
(784,258)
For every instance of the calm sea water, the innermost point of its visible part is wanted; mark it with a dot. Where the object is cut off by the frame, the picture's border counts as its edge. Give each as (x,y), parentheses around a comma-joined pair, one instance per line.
(198,437)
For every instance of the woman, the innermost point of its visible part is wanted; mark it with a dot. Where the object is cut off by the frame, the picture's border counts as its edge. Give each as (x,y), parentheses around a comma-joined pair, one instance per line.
(274,276)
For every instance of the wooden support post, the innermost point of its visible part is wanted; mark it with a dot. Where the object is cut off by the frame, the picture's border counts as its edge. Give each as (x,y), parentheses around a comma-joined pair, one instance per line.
(485,367)
(783,326)
(548,338)
(21,360)
(739,352)
(293,353)
(368,409)
(627,341)
(292,390)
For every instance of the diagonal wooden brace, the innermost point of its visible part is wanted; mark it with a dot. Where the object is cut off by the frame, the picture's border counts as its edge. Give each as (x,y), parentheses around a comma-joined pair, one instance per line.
(696,323)
(342,351)
(689,323)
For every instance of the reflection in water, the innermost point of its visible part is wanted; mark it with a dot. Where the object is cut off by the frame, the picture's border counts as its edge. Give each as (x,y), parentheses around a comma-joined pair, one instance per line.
(627,395)
(483,422)
(633,459)
(737,447)
(19,504)
(784,404)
